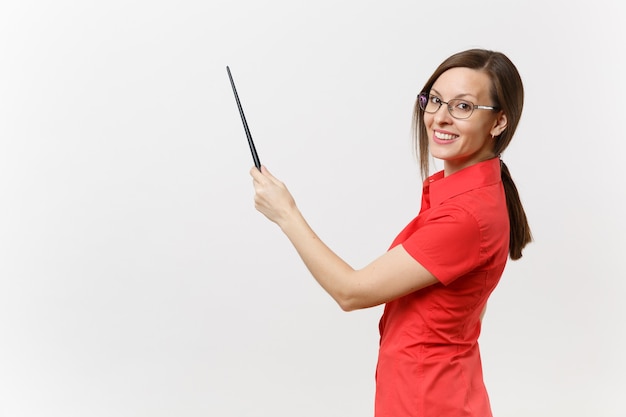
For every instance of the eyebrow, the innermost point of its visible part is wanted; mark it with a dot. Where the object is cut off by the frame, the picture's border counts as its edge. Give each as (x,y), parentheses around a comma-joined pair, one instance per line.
(458,95)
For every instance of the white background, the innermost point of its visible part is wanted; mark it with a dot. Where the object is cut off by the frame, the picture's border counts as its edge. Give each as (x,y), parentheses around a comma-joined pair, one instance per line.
(136,278)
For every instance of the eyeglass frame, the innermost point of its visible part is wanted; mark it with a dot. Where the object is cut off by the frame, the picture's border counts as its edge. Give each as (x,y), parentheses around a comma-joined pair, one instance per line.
(441,102)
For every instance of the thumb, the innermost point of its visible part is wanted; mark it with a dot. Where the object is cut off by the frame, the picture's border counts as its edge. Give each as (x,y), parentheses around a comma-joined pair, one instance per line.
(272,178)
(267,173)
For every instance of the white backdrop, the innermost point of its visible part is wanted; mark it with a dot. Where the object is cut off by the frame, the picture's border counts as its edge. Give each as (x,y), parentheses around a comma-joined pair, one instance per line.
(136,278)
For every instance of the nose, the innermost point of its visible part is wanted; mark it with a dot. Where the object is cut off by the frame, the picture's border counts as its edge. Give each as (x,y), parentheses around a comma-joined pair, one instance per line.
(442,115)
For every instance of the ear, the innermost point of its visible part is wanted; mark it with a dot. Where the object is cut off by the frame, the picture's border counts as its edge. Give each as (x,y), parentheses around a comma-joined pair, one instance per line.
(499,125)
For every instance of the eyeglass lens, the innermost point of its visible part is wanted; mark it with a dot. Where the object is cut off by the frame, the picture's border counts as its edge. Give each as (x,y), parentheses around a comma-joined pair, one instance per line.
(460,109)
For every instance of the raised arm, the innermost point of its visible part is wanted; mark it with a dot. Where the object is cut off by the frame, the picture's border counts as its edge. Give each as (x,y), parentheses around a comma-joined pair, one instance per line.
(394,274)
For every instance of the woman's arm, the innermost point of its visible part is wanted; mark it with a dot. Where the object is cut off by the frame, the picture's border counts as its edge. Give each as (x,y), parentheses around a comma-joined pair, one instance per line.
(394,274)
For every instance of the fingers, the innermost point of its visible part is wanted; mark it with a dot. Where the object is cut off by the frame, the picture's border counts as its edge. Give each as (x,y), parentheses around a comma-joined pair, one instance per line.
(255,173)
(271,196)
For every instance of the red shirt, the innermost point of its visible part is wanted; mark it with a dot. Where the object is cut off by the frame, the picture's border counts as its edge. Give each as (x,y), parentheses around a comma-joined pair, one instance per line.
(429,361)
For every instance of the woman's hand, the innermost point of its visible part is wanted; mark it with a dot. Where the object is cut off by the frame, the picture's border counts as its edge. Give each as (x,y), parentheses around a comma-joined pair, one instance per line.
(271,196)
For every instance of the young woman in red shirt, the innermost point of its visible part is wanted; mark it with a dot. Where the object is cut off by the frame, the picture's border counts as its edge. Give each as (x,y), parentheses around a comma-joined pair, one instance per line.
(437,275)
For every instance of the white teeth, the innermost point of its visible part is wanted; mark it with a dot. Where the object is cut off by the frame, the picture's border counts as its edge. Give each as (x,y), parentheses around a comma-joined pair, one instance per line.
(445,136)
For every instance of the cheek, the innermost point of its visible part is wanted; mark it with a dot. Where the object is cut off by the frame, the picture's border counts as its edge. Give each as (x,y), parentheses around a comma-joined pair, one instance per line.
(472,129)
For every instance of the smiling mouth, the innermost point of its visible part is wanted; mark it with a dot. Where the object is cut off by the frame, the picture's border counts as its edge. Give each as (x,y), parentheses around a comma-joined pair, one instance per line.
(445,136)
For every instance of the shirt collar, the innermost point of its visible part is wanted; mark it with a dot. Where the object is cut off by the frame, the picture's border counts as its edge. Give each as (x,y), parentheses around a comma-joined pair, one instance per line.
(440,188)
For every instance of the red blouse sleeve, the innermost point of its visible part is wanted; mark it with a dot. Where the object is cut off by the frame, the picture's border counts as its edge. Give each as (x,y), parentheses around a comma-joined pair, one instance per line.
(447,244)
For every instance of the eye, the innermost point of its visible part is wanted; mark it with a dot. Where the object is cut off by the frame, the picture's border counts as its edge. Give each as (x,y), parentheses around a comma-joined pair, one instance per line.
(461,106)
(435,100)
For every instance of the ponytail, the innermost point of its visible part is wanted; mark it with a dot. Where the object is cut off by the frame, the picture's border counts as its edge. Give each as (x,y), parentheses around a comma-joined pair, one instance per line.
(520,230)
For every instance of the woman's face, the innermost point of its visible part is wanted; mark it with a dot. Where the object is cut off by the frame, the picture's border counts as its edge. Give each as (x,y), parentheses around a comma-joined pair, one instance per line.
(463,142)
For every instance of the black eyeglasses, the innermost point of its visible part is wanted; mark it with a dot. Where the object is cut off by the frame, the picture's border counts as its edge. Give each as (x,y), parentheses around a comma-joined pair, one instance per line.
(458,108)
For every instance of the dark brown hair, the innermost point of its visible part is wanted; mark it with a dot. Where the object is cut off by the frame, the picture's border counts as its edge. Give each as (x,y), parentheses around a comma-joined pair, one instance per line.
(507,93)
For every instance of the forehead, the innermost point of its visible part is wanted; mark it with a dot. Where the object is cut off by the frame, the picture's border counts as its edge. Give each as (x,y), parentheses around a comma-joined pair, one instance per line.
(463,81)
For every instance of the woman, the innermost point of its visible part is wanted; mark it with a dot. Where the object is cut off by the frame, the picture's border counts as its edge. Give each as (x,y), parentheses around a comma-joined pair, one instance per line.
(438,273)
